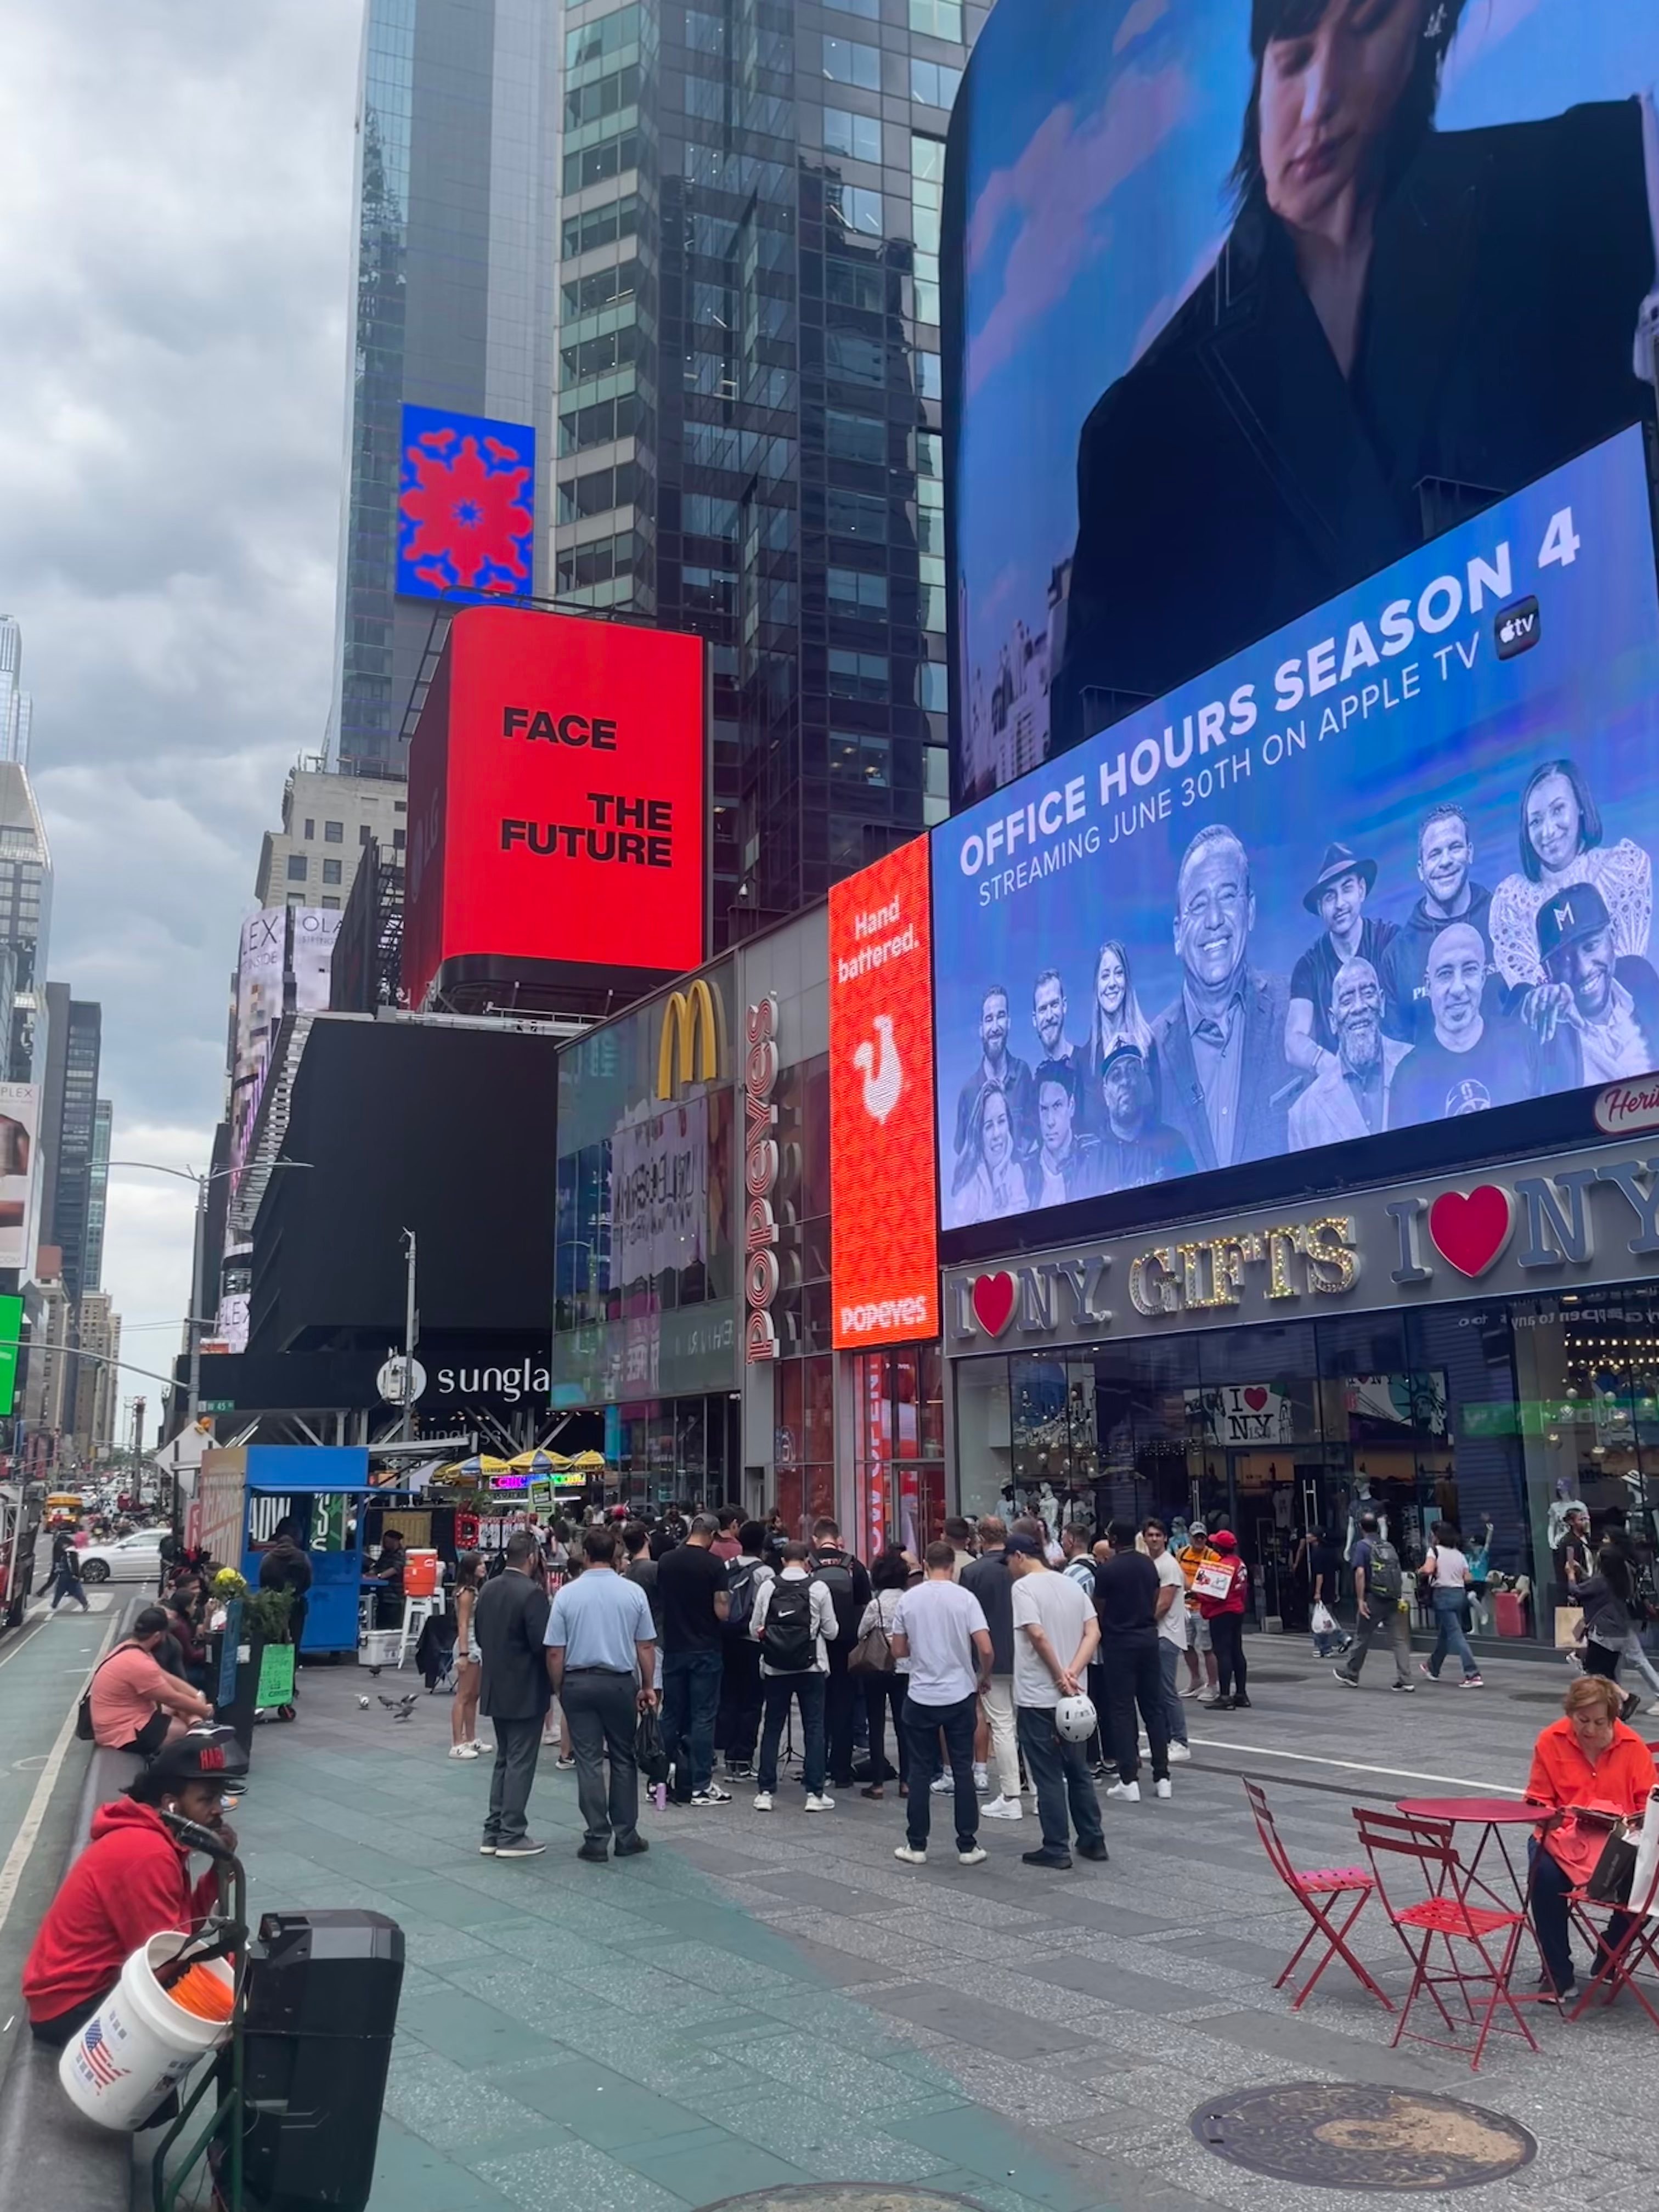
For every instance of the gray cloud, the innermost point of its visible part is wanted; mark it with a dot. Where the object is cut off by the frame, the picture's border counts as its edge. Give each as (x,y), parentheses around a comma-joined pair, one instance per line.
(178,178)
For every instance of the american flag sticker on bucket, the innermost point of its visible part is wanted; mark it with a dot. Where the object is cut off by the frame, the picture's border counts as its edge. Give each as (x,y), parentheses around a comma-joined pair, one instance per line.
(96,2058)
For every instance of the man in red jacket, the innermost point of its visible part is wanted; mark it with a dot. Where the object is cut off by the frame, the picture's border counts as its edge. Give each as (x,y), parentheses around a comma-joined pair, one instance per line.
(131,1881)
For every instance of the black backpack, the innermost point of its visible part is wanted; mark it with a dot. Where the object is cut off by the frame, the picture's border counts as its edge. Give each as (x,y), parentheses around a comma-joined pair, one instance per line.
(787,1644)
(1383,1578)
(835,1571)
(740,1596)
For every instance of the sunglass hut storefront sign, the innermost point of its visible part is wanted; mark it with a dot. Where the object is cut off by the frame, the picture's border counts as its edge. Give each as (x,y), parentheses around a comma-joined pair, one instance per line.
(1584,1218)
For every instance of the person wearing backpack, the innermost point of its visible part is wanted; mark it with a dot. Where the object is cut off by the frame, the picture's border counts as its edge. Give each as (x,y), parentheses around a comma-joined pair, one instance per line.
(794,1621)
(1379,1583)
(847,1581)
(737,1724)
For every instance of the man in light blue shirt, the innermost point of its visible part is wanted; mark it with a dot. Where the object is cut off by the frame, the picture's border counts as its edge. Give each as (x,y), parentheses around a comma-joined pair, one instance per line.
(602,1658)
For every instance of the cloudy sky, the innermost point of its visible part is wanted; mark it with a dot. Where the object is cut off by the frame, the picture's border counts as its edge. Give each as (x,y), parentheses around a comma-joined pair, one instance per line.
(177,181)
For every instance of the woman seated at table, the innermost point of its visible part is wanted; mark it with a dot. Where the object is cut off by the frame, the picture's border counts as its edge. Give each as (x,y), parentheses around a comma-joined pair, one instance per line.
(1589,1762)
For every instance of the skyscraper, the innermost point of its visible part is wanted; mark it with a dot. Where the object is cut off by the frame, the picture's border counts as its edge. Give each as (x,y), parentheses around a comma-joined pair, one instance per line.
(452,312)
(748,399)
(103,1123)
(25,923)
(70,1220)
(16,707)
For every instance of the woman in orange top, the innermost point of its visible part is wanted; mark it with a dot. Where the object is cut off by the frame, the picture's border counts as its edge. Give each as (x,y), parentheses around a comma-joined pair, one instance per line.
(1592,1762)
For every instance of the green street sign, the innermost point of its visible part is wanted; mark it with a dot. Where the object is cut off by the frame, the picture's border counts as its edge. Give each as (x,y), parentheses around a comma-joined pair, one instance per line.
(217,1405)
(11,1328)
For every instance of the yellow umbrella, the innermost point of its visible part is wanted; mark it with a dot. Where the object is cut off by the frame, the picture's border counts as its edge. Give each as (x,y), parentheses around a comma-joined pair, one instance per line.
(538,1463)
(588,1460)
(476,1469)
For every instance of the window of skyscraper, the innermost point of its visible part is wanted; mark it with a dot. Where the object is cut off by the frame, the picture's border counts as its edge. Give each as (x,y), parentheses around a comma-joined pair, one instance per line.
(852,284)
(931,83)
(870,8)
(848,62)
(855,207)
(846,133)
(857,760)
(856,515)
(704,517)
(609,34)
(331,872)
(330,903)
(859,675)
(334,833)
(704,35)
(937,18)
(853,590)
(855,437)
(310,827)
(600,225)
(853,359)
(397,840)
(296,868)
(933,687)
(929,381)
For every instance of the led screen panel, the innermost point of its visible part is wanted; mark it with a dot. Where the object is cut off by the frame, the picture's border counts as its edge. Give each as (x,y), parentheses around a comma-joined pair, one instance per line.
(1390,866)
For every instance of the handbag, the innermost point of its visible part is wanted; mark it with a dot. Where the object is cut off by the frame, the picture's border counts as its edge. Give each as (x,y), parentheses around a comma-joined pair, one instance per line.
(873,1652)
(1569,1626)
(1324,1620)
(1614,1872)
(649,1749)
(83,1733)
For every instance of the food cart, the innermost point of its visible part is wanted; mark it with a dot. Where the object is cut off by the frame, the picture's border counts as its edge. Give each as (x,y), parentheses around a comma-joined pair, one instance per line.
(246,1492)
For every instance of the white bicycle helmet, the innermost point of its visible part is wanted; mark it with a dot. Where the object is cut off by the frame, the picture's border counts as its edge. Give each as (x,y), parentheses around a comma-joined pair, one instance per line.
(1074,1719)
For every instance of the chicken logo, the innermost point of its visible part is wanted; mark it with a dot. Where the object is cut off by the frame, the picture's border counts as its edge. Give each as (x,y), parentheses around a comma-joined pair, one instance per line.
(883,1084)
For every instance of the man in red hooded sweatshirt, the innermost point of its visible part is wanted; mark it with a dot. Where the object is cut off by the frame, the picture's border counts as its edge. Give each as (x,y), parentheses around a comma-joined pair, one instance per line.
(131,1881)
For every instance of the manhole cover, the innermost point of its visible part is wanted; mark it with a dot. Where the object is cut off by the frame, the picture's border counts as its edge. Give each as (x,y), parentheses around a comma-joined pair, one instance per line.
(845,2196)
(1340,2135)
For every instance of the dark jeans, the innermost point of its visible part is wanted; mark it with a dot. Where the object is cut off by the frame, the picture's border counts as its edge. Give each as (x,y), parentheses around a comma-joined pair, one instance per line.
(840,1704)
(922,1724)
(1060,1775)
(68,2025)
(1227,1639)
(1549,1883)
(1386,1623)
(69,1586)
(690,1698)
(601,1713)
(1450,1638)
(516,1743)
(776,1689)
(1134,1677)
(737,1724)
(881,1692)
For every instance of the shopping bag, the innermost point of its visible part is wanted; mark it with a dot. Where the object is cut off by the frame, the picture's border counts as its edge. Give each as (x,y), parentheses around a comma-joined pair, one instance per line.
(1613,1875)
(1644,1874)
(1324,1620)
(648,1748)
(1569,1619)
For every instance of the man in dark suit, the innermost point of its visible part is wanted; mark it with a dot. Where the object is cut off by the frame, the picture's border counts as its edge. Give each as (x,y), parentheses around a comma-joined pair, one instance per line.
(1221,1045)
(1284,446)
(510,1622)
(1598,1019)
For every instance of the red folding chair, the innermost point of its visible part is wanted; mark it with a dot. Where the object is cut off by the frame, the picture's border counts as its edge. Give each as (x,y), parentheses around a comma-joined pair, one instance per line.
(1420,1855)
(1320,1893)
(1622,1938)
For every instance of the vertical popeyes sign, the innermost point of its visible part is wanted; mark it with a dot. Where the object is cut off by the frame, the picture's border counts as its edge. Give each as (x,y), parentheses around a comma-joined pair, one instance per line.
(883,1251)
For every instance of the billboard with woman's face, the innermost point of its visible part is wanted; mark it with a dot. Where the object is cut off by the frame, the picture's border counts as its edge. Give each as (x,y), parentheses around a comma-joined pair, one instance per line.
(1247,299)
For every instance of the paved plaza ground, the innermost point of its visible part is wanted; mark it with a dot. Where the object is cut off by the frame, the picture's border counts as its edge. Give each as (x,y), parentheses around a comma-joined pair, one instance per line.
(768,1999)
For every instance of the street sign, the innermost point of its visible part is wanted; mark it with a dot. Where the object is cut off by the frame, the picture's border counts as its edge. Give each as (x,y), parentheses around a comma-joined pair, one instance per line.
(390,1382)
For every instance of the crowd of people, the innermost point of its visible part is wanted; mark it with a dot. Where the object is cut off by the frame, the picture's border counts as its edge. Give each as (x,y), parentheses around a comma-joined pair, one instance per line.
(998,1652)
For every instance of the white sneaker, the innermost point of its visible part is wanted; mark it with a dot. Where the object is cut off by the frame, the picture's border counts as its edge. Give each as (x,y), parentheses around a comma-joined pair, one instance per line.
(1178,1751)
(484,1750)
(1004,1809)
(911,1858)
(975,1856)
(1164,1789)
(762,1801)
(942,1784)
(1128,1791)
(464,1751)
(982,1776)
(820,1803)
(1654,1708)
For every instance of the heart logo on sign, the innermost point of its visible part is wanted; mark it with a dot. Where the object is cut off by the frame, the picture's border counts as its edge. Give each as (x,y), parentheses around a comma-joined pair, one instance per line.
(1255,1397)
(993,1297)
(1471,1232)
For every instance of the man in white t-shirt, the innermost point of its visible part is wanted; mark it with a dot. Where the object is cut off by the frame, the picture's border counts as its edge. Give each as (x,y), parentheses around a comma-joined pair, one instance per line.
(1171,1629)
(1055,1634)
(941,1629)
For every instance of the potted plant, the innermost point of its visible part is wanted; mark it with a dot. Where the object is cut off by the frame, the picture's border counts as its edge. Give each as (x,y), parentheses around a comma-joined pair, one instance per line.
(254,1619)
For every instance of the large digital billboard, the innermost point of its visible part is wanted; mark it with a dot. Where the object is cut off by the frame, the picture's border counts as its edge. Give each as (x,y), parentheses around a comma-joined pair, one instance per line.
(883,1255)
(556,800)
(466,505)
(19,1173)
(1391,866)
(1245,299)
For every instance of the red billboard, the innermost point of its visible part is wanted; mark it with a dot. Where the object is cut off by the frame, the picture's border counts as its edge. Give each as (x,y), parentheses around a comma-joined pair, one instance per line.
(883,1252)
(556,814)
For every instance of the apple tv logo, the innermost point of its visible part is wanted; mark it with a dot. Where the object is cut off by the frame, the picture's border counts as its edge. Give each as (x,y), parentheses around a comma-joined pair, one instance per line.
(1516,628)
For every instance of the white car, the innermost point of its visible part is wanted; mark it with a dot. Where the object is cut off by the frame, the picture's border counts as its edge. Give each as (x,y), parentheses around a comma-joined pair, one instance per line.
(135,1559)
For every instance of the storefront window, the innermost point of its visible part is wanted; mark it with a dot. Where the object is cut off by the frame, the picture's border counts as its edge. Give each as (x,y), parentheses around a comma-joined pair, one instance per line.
(898,1460)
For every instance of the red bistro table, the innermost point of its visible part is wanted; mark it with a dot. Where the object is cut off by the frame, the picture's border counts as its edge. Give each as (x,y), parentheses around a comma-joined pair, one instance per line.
(1491,1815)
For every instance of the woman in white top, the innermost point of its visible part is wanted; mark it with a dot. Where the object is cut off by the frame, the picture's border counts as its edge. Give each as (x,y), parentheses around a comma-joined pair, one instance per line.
(1446,1570)
(890,1577)
(995,1186)
(469,1660)
(1561,843)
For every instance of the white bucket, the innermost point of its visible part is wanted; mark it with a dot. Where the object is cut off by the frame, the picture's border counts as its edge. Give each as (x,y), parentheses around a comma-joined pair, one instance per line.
(128,2055)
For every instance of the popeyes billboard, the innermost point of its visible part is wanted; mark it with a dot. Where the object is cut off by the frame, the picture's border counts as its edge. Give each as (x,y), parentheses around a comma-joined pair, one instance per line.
(884,1254)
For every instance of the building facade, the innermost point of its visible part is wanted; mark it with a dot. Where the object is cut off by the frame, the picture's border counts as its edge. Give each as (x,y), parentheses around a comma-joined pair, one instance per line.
(69,1227)
(327,821)
(748,408)
(451,304)
(25,920)
(97,1394)
(103,1126)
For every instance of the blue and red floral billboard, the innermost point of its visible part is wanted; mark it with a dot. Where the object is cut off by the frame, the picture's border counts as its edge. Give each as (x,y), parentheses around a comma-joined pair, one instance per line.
(467,507)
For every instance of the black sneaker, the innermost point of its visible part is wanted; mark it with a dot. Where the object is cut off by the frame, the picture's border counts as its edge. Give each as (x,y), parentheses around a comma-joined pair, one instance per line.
(1216,1705)
(563,1762)
(1059,1859)
(712,1795)
(1241,1704)
(742,1771)
(525,1847)
(595,1854)
(632,1848)
(1097,1853)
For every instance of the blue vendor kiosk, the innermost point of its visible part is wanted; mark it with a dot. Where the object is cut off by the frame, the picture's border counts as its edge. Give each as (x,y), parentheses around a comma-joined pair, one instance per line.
(246,1493)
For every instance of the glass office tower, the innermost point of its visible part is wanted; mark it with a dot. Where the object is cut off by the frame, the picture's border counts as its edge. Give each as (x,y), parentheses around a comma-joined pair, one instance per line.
(453,304)
(748,425)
